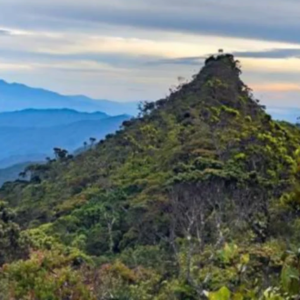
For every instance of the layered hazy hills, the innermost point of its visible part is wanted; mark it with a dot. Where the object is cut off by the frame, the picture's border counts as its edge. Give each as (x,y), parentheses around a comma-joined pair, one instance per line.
(27,140)
(46,118)
(15,96)
(33,121)
(30,135)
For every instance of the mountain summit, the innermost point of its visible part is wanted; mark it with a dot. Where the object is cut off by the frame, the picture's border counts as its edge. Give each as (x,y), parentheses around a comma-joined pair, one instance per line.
(195,199)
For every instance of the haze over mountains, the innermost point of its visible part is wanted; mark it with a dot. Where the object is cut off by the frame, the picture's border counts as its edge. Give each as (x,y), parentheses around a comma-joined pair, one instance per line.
(15,96)
(46,117)
(68,133)
(30,135)
(34,121)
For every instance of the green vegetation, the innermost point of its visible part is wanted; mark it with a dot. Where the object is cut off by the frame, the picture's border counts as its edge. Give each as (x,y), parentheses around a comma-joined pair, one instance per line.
(197,198)
(11,173)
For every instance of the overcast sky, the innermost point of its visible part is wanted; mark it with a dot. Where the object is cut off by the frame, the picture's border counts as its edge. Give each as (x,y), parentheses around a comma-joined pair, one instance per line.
(135,49)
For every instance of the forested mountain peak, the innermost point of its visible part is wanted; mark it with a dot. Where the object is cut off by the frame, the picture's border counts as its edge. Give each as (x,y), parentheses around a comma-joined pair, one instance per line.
(194,199)
(218,83)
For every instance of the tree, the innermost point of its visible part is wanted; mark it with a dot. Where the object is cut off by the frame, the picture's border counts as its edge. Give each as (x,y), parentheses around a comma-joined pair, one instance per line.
(35,172)
(13,244)
(93,141)
(60,154)
(196,211)
(22,174)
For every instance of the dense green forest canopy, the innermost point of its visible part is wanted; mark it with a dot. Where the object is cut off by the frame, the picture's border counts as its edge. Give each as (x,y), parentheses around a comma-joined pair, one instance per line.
(197,198)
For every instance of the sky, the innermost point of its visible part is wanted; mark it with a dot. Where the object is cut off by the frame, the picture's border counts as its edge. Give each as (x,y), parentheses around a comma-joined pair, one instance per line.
(131,50)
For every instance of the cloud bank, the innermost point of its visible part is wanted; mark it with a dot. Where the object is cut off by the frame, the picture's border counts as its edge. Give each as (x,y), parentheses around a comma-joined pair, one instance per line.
(133,50)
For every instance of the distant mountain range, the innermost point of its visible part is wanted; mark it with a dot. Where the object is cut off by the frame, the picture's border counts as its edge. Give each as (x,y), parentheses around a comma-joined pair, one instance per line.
(47,118)
(22,141)
(13,160)
(33,121)
(30,135)
(15,96)
(34,133)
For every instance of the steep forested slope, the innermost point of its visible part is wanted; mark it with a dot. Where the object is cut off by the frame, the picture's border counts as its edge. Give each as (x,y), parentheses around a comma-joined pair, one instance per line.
(194,199)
